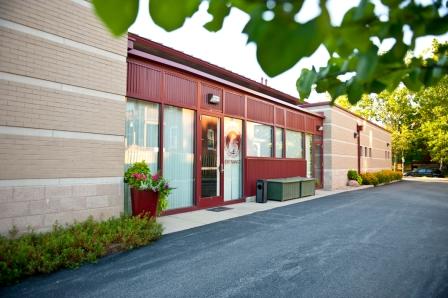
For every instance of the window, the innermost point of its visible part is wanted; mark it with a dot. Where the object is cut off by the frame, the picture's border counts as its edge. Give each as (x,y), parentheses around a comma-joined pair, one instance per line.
(178,155)
(294,144)
(365,152)
(259,140)
(360,150)
(370,152)
(278,142)
(142,133)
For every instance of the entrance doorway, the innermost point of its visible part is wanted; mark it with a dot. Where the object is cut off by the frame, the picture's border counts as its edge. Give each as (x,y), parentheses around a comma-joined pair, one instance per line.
(210,157)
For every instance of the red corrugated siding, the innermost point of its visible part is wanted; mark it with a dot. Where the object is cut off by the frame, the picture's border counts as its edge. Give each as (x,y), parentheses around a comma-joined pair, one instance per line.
(234,104)
(179,90)
(280,116)
(309,125)
(270,168)
(295,121)
(207,89)
(144,82)
(260,111)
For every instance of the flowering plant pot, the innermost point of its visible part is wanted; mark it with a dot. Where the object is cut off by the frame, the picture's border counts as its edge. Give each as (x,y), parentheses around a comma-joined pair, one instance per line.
(149,193)
(144,202)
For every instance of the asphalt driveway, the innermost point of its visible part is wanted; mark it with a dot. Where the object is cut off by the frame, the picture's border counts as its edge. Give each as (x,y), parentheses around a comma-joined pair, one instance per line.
(389,241)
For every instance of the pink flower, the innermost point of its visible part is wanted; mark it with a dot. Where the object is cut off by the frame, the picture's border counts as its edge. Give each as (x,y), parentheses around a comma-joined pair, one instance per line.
(155,177)
(139,176)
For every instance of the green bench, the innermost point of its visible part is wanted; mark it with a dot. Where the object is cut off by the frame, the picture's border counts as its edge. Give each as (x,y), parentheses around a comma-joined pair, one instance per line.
(284,189)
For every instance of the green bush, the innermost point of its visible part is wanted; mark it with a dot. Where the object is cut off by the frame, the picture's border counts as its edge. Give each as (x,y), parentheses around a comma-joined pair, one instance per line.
(369,179)
(352,175)
(359,179)
(384,176)
(69,246)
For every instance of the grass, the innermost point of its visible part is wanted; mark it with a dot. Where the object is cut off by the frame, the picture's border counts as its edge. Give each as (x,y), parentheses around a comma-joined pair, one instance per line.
(71,245)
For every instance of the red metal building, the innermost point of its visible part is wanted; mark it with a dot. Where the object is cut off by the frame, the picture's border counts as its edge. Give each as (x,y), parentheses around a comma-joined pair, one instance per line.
(218,132)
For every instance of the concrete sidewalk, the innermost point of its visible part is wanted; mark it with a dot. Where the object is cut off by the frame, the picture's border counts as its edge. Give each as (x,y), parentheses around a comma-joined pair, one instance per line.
(188,220)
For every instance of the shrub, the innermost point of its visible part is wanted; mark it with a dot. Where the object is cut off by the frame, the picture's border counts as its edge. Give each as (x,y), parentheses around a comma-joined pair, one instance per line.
(352,175)
(369,179)
(69,246)
(384,176)
(359,179)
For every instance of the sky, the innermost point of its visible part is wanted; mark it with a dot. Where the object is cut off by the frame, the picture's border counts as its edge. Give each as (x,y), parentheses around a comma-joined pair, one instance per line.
(228,48)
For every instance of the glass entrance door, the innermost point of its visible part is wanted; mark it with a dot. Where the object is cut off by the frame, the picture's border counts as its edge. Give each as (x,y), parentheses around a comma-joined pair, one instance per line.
(210,161)
(233,178)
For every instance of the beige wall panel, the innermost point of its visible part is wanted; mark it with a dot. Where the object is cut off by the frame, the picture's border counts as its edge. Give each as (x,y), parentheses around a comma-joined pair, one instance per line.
(26,55)
(31,106)
(339,178)
(339,128)
(372,164)
(344,162)
(345,119)
(25,157)
(343,134)
(41,206)
(344,148)
(51,16)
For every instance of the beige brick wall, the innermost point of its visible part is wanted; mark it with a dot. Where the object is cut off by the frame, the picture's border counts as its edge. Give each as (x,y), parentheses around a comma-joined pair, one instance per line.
(62,112)
(26,157)
(26,105)
(63,18)
(41,206)
(340,146)
(26,55)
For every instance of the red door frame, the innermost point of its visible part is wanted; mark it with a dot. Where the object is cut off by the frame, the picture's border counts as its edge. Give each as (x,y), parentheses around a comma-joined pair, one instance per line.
(218,200)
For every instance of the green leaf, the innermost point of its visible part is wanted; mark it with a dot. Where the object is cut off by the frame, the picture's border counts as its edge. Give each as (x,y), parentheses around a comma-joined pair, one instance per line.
(117,15)
(393,3)
(367,64)
(412,80)
(219,9)
(171,14)
(281,43)
(305,82)
(355,89)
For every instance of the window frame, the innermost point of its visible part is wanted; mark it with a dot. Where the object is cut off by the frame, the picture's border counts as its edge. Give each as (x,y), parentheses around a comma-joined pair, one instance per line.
(247,143)
(302,144)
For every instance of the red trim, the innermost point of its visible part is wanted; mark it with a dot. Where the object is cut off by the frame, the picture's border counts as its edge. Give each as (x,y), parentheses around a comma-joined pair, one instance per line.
(175,65)
(189,60)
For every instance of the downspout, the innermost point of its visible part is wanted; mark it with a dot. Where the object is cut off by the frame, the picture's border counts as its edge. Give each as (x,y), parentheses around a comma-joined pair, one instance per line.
(358,133)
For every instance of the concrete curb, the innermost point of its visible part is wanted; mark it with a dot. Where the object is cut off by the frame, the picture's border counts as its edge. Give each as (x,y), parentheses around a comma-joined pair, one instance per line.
(189,220)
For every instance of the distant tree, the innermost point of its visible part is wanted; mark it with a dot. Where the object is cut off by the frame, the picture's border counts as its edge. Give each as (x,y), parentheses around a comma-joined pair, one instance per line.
(282,41)
(433,112)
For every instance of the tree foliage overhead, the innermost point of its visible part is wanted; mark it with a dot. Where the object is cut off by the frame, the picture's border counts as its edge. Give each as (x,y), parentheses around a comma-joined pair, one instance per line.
(282,41)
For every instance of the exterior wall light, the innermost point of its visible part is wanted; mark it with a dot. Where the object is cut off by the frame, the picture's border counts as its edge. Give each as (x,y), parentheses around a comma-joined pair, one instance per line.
(213,99)
(355,135)
(319,127)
